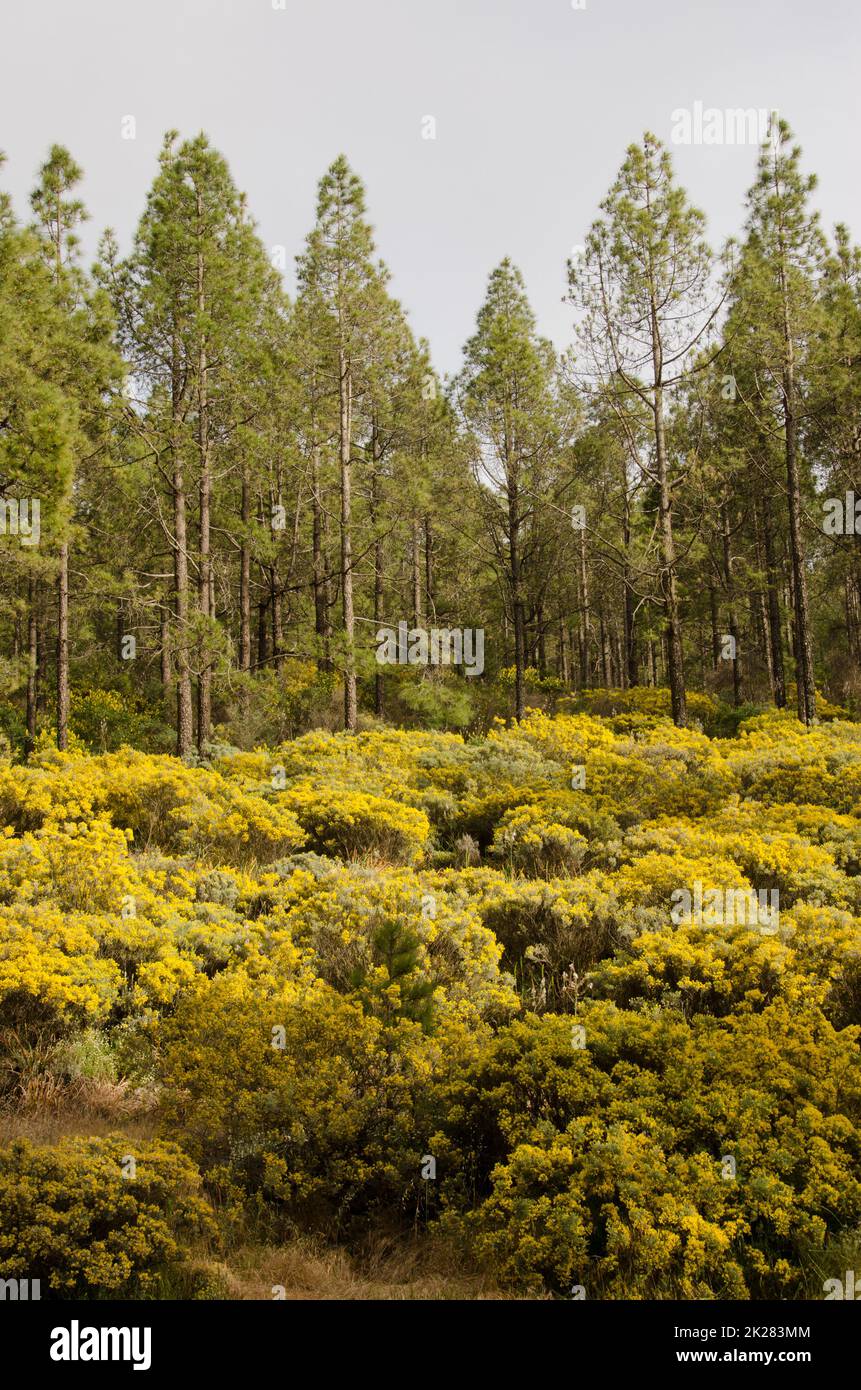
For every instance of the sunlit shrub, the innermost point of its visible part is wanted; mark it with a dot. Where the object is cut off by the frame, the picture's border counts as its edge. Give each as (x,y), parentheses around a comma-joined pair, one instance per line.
(352,824)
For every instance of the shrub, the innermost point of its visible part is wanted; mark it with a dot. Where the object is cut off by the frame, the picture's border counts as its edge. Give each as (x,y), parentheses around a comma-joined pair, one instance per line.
(105,720)
(605,1165)
(297,1096)
(533,843)
(353,824)
(71,1218)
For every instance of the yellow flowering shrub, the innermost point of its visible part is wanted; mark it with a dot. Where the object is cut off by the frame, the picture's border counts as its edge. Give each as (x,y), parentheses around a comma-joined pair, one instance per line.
(639,699)
(82,867)
(319,956)
(663,1159)
(98,1218)
(352,824)
(296,1094)
(332,919)
(530,842)
(52,974)
(162,802)
(777,759)
(766,858)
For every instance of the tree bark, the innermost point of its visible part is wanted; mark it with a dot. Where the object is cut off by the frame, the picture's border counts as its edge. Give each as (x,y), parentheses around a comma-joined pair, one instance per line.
(730,594)
(32,667)
(204,679)
(164,643)
(517,607)
(245,579)
(63,648)
(804,678)
(262,633)
(669,594)
(416,558)
(775,633)
(320,575)
(585,615)
(184,718)
(429,575)
(630,668)
(345,401)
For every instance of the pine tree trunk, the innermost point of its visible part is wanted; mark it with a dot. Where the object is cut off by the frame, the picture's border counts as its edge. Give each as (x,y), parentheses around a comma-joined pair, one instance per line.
(619,659)
(41,663)
(245,579)
(262,633)
(517,606)
(164,644)
(63,649)
(630,666)
(565,649)
(606,658)
(669,595)
(804,677)
(416,556)
(713,619)
(320,577)
(429,576)
(803,646)
(585,616)
(775,633)
(378,617)
(730,593)
(277,618)
(378,564)
(345,398)
(204,679)
(32,667)
(184,725)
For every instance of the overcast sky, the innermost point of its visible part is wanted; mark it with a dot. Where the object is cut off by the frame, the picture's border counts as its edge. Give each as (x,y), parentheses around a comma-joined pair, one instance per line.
(534,103)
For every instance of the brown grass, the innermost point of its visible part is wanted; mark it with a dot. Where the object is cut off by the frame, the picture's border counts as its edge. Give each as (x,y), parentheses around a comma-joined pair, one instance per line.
(49,1107)
(306,1269)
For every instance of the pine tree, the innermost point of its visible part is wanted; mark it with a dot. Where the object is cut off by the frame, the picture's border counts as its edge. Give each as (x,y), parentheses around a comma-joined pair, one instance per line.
(642,289)
(339,271)
(38,428)
(86,362)
(507,392)
(777,295)
(189,302)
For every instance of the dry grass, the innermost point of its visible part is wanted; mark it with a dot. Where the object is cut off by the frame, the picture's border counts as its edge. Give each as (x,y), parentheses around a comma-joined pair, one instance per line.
(48,1108)
(392,1269)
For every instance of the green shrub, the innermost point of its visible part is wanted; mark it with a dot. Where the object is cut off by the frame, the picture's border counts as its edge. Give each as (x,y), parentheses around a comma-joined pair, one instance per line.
(602,1160)
(71,1218)
(299,1099)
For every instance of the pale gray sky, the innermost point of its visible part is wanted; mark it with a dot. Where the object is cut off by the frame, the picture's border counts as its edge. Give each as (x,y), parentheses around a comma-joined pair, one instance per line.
(534,103)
